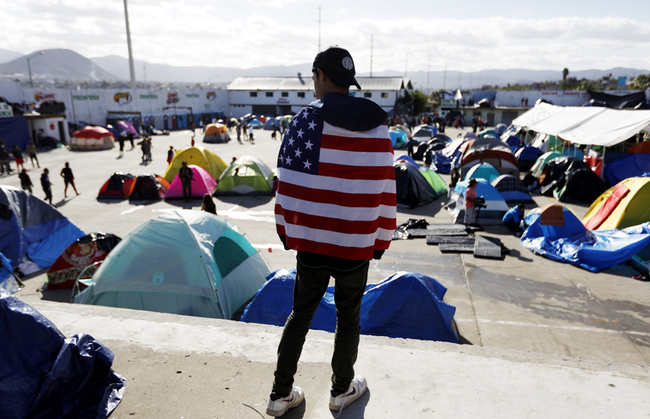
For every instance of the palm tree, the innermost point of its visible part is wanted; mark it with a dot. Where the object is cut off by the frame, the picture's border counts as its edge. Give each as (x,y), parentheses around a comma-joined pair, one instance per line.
(565,73)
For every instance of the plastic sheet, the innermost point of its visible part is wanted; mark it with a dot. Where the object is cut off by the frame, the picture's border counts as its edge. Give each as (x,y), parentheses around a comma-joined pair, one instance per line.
(46,376)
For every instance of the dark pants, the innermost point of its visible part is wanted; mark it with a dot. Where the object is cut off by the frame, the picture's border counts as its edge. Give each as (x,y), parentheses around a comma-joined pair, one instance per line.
(308,291)
(513,226)
(187,190)
(48,194)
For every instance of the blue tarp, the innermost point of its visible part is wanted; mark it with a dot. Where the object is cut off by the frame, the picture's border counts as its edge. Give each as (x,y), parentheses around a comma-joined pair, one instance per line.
(13,131)
(441,163)
(7,280)
(404,305)
(528,153)
(633,165)
(43,375)
(573,243)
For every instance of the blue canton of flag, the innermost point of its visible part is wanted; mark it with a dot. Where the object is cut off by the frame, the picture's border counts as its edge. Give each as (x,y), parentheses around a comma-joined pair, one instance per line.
(300,149)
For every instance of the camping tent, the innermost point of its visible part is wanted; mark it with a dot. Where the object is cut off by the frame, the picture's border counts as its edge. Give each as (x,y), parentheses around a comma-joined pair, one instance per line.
(631,165)
(92,138)
(424,132)
(118,186)
(75,260)
(183,262)
(555,232)
(199,156)
(202,183)
(540,163)
(623,205)
(398,137)
(126,126)
(482,171)
(30,226)
(404,305)
(527,156)
(216,133)
(435,181)
(512,189)
(149,187)
(247,175)
(412,189)
(494,211)
(491,150)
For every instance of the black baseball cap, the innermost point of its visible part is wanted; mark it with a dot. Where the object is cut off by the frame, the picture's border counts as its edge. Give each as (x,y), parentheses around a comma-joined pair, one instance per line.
(338,65)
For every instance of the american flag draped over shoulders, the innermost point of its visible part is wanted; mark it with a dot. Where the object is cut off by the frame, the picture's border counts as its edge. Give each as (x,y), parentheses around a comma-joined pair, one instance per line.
(336,189)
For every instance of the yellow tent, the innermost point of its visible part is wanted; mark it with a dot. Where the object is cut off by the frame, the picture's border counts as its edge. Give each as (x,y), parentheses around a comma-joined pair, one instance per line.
(199,156)
(623,205)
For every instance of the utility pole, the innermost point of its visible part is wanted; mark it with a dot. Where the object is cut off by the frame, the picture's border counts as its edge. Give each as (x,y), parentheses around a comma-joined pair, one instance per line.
(371,55)
(128,41)
(319,28)
(444,79)
(428,72)
(406,64)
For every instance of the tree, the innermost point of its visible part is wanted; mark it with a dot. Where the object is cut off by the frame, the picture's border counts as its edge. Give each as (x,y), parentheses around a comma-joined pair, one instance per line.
(642,82)
(420,102)
(565,73)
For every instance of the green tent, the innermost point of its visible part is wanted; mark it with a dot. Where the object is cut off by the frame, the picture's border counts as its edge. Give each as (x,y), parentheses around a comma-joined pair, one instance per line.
(247,175)
(182,262)
(434,180)
(541,161)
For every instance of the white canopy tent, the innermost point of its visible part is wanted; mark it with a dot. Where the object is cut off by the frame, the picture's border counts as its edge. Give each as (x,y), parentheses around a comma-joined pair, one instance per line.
(609,128)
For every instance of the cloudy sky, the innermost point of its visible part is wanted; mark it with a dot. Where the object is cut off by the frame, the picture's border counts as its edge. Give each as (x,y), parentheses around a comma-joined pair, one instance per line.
(411,35)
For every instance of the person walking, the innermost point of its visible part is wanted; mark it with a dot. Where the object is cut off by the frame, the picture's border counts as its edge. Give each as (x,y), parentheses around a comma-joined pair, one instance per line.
(250,134)
(4,160)
(239,133)
(120,139)
(350,131)
(18,156)
(68,179)
(170,154)
(47,185)
(186,176)
(31,152)
(25,181)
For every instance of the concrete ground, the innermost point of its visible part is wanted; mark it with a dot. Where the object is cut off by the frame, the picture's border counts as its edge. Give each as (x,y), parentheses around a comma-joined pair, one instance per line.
(543,338)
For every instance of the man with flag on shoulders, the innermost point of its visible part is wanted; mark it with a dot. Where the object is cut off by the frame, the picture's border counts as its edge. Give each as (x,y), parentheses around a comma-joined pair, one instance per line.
(336,206)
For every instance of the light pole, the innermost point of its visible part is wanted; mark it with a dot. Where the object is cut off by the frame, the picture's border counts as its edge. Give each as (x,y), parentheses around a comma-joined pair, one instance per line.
(29,67)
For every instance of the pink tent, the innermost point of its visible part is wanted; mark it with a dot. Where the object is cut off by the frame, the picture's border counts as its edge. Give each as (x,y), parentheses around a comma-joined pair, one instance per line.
(126,126)
(203,183)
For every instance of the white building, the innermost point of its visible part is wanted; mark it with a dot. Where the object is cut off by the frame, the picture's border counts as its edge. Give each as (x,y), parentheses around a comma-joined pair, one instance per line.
(287,95)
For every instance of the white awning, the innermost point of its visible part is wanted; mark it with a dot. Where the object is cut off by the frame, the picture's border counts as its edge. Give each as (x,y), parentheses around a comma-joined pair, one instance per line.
(609,128)
(550,119)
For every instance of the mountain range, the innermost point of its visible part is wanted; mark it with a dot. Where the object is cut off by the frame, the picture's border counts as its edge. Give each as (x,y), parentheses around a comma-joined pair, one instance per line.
(66,65)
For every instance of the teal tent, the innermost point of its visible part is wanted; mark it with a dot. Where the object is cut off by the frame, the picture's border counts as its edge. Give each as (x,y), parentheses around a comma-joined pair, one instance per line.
(182,262)
(398,137)
(482,171)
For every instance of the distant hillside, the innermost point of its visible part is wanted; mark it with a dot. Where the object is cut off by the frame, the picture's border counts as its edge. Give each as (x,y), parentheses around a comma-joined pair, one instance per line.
(6,56)
(199,74)
(66,65)
(58,64)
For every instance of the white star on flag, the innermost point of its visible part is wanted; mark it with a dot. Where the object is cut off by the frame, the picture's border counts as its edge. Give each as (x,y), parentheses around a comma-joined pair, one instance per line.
(309,144)
(307,164)
(312,125)
(298,152)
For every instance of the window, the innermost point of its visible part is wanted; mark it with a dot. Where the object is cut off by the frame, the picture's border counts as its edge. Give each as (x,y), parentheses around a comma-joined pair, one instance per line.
(269,94)
(285,94)
(301,94)
(384,95)
(367,94)
(253,94)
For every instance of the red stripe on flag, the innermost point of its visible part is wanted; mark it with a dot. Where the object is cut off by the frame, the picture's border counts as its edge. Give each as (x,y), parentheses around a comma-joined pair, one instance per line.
(356,143)
(336,198)
(351,253)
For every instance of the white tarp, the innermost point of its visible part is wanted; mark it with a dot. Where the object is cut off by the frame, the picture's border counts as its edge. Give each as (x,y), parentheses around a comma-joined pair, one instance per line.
(585,125)
(550,119)
(609,128)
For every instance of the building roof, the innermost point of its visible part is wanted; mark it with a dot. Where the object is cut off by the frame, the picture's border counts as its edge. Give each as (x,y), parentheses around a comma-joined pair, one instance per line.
(306,83)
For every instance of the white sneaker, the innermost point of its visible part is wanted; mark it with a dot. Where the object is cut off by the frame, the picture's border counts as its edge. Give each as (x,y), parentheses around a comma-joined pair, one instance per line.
(357,387)
(280,406)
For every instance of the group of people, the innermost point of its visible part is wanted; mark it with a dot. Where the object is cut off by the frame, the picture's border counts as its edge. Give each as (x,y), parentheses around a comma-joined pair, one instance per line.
(5,155)
(46,184)
(247,131)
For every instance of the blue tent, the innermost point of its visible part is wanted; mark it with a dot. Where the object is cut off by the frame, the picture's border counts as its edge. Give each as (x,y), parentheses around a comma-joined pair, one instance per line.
(512,141)
(634,165)
(496,206)
(565,239)
(406,158)
(441,163)
(45,375)
(527,156)
(31,226)
(482,171)
(398,137)
(404,305)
